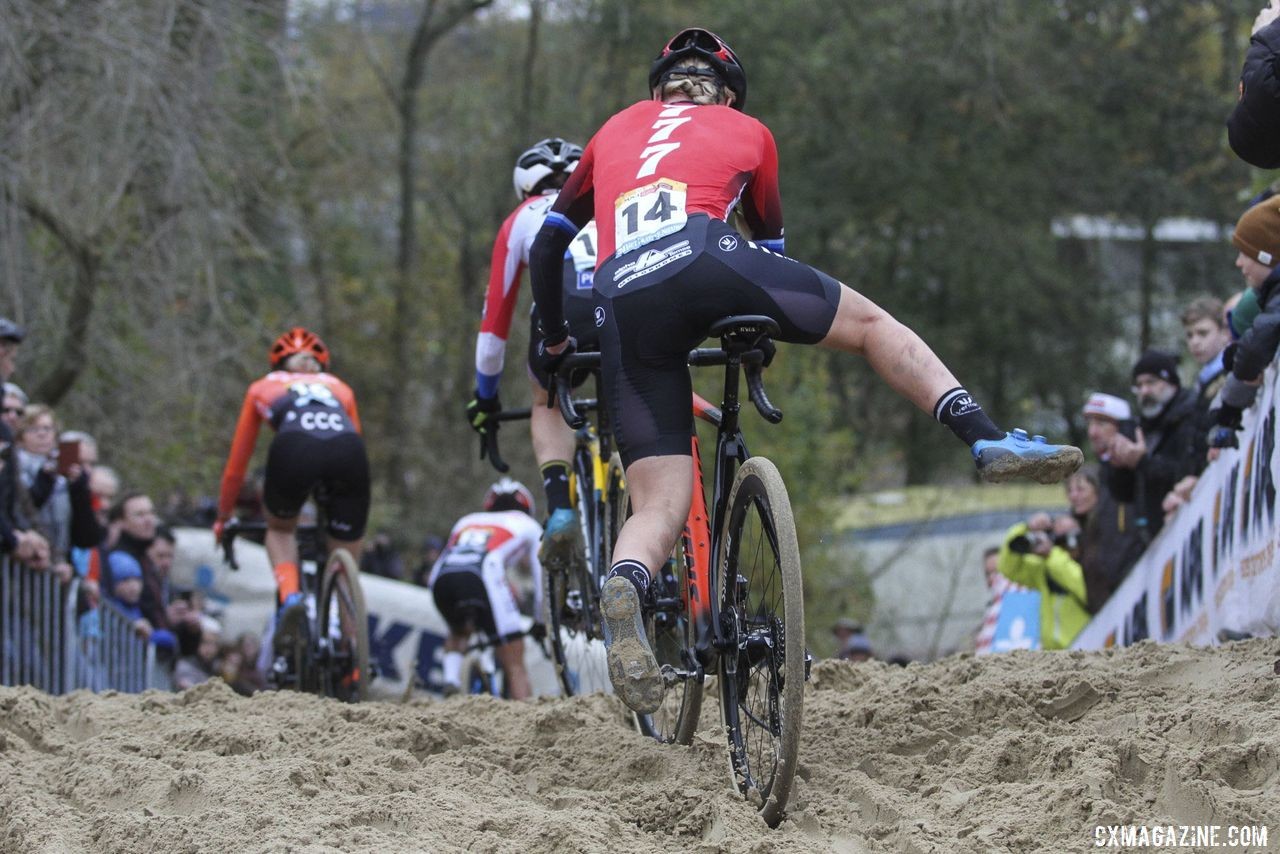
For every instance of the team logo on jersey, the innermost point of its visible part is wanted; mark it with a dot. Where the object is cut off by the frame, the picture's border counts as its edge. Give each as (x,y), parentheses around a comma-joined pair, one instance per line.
(599,316)
(650,261)
(728,243)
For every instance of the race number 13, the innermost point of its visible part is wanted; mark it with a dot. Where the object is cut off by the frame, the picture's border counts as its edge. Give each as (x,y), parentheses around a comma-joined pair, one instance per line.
(649,212)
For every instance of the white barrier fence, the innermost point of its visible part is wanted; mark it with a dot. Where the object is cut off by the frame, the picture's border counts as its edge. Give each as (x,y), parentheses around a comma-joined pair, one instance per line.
(1214,566)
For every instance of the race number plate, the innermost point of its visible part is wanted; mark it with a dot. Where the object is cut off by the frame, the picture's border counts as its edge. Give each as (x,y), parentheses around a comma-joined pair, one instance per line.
(647,213)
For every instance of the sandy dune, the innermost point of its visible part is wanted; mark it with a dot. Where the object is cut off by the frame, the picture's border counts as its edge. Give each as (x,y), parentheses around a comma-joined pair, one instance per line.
(1026,752)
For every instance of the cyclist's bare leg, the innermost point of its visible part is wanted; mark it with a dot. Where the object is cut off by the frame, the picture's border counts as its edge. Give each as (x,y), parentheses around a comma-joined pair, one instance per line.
(660,489)
(511,657)
(282,551)
(896,353)
(552,437)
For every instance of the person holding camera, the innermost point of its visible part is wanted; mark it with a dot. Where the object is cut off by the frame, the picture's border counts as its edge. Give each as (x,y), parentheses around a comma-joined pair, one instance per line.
(1038,554)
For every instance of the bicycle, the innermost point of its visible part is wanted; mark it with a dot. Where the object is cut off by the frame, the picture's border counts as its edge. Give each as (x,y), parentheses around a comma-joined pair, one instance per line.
(576,634)
(334,662)
(730,600)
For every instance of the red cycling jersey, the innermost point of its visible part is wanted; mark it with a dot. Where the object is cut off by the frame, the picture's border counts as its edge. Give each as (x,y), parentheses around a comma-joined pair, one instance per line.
(653,164)
(319,404)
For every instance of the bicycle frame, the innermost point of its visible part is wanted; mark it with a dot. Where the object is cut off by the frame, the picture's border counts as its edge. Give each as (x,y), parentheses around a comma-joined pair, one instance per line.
(731,451)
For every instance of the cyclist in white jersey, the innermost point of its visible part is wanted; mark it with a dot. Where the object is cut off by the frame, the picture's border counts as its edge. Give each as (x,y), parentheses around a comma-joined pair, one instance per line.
(470,587)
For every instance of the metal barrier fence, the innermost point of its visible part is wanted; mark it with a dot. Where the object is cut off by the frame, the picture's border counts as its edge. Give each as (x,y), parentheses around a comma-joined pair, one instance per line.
(46,644)
(36,628)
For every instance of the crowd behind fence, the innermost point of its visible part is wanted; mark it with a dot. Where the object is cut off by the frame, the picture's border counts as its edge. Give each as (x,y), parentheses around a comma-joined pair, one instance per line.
(46,644)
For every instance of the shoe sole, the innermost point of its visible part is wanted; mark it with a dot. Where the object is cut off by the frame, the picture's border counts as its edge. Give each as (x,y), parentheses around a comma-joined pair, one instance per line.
(633,669)
(291,632)
(1050,468)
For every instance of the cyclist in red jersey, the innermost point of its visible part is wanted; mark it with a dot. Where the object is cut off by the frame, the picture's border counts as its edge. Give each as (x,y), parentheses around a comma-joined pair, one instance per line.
(661,178)
(539,173)
(317,443)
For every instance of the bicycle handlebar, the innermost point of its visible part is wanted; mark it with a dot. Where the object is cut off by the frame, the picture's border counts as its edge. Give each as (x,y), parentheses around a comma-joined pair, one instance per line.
(489,438)
(563,388)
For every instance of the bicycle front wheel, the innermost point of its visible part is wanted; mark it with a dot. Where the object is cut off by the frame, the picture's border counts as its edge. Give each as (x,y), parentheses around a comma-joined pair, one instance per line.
(344,627)
(762,613)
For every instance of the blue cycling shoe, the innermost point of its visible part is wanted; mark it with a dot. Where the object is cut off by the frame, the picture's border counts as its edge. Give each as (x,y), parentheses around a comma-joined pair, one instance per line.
(291,625)
(562,549)
(1020,455)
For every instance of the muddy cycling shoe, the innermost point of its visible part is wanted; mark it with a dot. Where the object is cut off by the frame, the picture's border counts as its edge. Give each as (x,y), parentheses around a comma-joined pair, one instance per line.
(291,625)
(633,669)
(1020,455)
(562,549)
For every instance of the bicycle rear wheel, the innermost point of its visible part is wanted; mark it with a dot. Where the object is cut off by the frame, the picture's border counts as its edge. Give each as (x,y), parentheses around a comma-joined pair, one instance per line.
(671,635)
(762,614)
(344,628)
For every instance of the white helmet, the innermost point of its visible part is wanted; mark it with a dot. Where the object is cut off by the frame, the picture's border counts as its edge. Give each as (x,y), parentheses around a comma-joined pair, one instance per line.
(548,157)
(508,494)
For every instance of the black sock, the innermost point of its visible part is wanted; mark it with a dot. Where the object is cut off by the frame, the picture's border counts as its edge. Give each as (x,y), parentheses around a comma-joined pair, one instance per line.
(959,412)
(633,571)
(555,481)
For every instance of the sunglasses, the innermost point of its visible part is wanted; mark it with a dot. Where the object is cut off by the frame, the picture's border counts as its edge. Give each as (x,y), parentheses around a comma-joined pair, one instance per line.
(12,410)
(701,41)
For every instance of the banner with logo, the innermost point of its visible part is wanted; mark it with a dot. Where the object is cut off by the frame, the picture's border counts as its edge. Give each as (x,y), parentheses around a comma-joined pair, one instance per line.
(405,629)
(1213,570)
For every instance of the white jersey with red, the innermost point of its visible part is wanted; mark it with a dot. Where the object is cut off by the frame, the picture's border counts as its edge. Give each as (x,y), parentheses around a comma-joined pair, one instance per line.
(510,257)
(653,165)
(492,543)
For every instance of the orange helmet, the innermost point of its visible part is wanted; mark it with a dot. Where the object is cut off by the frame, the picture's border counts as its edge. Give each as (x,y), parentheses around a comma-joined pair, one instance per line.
(299,340)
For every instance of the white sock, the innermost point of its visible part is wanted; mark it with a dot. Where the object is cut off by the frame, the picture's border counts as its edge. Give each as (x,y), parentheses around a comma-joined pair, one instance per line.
(452,668)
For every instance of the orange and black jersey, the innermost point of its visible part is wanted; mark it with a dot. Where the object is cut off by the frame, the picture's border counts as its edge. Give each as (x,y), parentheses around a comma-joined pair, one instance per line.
(317,404)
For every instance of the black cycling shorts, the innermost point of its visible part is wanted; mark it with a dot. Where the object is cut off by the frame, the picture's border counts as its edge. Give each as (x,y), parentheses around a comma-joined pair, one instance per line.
(658,303)
(298,463)
(463,601)
(580,312)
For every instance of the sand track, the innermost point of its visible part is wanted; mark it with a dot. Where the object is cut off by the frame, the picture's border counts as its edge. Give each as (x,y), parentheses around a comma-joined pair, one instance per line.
(1026,752)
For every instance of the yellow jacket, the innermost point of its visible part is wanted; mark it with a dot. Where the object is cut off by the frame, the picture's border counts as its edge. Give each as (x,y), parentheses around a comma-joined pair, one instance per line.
(1060,581)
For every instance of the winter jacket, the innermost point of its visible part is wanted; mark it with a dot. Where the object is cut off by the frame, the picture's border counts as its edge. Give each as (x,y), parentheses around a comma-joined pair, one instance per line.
(1060,580)
(1253,129)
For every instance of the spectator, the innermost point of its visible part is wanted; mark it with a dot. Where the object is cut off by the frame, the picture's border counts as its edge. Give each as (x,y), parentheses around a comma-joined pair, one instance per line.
(843,629)
(1104,555)
(1257,236)
(1160,455)
(104,486)
(1253,129)
(857,647)
(43,498)
(137,531)
(126,593)
(15,401)
(1112,541)
(16,536)
(431,548)
(381,557)
(251,678)
(192,670)
(997,586)
(1031,557)
(1207,335)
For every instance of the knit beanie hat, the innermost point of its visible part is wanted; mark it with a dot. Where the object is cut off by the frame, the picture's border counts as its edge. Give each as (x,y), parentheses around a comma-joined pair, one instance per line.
(1257,233)
(1157,363)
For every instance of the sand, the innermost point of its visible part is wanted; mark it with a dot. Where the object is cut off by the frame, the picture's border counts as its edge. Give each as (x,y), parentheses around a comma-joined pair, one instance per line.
(1024,752)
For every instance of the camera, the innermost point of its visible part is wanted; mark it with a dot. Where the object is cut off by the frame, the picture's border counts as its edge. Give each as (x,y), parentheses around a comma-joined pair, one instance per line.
(1070,541)
(1027,543)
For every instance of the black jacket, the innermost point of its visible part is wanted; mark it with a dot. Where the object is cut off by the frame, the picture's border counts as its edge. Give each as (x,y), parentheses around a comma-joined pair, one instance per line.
(1171,442)
(1253,129)
(1110,544)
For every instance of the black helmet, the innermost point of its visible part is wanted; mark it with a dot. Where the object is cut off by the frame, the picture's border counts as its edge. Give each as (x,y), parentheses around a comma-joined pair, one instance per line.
(546,157)
(703,44)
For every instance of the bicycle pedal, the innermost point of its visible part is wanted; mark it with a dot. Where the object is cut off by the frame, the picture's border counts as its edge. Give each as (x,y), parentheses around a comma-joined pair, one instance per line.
(808,664)
(671,676)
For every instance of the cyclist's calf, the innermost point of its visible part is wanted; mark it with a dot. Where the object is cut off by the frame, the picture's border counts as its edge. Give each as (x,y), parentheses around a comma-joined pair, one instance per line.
(660,490)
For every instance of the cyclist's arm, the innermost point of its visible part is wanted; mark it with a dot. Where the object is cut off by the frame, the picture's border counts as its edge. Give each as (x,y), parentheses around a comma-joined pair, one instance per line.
(762,203)
(573,209)
(238,460)
(505,266)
